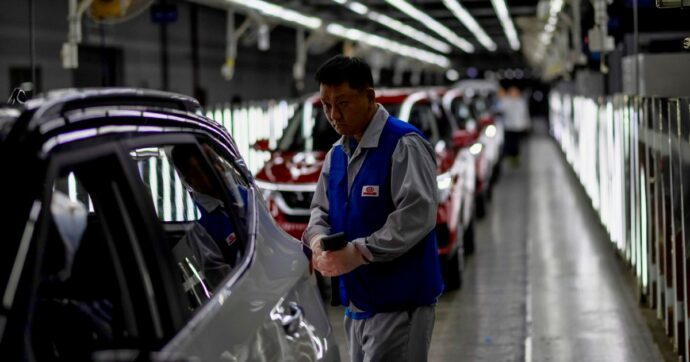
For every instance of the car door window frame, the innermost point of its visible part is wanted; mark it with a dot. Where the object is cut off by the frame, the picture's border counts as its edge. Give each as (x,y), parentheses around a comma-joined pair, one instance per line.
(128,279)
(248,235)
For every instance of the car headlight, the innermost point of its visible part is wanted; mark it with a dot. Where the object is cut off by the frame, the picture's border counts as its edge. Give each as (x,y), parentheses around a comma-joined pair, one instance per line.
(476,149)
(490,131)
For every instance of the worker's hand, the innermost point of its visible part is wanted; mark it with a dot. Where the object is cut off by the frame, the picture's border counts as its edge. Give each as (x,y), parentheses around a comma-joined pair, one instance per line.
(315,246)
(339,262)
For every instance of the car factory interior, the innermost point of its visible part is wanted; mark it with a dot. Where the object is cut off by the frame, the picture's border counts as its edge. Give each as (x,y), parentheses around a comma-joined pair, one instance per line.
(345,180)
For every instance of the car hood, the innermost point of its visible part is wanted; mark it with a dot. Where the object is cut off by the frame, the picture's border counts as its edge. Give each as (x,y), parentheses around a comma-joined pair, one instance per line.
(292,167)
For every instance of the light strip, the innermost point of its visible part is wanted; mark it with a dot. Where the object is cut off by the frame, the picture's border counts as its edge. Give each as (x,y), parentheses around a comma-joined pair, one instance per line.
(432,24)
(72,186)
(167,195)
(276,11)
(285,187)
(409,31)
(279,12)
(468,20)
(388,45)
(396,25)
(179,198)
(506,23)
(359,8)
(153,182)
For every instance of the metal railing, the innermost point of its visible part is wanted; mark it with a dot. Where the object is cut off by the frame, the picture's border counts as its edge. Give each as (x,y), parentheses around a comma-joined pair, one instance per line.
(632,156)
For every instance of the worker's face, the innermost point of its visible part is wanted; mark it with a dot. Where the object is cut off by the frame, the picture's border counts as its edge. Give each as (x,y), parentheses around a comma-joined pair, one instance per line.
(198,179)
(348,110)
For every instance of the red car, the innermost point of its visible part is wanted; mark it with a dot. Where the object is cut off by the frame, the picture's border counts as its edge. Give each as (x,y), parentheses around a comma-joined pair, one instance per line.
(289,177)
(468,107)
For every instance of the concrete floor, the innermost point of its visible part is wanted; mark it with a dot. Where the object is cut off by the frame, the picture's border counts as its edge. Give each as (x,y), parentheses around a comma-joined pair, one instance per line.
(543,284)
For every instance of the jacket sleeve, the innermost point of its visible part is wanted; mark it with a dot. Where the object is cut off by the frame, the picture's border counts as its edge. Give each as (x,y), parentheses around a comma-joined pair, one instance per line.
(414,193)
(318,220)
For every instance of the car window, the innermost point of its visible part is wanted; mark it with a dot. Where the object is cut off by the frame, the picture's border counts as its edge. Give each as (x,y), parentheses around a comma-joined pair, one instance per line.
(422,117)
(81,283)
(308,130)
(444,128)
(201,202)
(461,112)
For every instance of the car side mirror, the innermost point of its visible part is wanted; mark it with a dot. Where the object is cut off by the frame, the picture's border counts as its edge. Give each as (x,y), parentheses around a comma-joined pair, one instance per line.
(463,138)
(261,145)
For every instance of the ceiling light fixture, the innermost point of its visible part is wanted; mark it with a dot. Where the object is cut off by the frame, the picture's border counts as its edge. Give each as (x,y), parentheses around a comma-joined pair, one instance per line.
(506,23)
(276,11)
(359,8)
(470,23)
(432,24)
(411,32)
(387,44)
(397,26)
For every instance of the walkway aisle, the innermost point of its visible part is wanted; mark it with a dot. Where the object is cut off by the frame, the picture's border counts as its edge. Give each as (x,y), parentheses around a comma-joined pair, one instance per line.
(485,320)
(583,307)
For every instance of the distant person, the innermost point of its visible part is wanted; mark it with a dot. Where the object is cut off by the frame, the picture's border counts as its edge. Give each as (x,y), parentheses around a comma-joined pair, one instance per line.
(378,186)
(516,122)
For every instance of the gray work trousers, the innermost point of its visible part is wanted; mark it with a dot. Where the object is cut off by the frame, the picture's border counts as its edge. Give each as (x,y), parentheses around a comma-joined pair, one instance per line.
(398,336)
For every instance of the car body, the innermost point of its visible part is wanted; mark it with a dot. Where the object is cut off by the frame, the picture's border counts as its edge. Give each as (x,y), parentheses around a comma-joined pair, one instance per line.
(109,249)
(469,107)
(289,177)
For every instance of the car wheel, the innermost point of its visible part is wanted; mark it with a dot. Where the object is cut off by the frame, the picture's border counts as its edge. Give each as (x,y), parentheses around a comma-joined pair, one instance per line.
(497,172)
(451,268)
(480,204)
(468,239)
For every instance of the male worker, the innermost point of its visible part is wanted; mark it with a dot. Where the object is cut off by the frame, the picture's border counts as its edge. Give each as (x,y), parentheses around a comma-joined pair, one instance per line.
(378,186)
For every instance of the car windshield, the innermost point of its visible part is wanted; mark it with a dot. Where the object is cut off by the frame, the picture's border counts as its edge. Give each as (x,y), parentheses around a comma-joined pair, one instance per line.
(461,111)
(308,130)
(480,107)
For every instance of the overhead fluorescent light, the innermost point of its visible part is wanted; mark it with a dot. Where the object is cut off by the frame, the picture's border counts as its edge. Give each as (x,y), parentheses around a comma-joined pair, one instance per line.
(470,23)
(411,32)
(279,12)
(388,45)
(359,8)
(432,24)
(397,26)
(506,23)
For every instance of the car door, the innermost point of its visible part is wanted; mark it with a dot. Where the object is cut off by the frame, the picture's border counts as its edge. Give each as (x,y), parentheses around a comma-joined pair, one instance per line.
(246,286)
(87,290)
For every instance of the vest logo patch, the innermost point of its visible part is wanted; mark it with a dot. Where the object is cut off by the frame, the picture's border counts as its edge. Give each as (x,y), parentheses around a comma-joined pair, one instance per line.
(231,239)
(370,191)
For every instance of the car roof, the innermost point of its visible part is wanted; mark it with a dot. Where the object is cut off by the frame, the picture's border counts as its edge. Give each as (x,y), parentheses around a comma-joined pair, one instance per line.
(72,109)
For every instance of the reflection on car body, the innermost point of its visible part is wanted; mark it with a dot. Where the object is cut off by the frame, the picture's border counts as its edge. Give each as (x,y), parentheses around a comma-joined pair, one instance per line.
(115,249)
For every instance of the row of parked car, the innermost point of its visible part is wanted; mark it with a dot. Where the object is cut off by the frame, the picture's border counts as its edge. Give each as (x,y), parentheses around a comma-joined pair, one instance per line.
(460,122)
(133,230)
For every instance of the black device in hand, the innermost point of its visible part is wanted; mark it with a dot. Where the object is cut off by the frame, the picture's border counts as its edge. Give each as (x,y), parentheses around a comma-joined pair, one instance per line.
(333,242)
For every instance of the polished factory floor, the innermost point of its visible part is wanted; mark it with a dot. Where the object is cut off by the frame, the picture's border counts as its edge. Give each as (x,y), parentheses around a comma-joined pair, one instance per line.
(543,284)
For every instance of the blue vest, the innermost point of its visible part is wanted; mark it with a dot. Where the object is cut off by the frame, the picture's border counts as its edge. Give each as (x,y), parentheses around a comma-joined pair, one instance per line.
(409,281)
(219,226)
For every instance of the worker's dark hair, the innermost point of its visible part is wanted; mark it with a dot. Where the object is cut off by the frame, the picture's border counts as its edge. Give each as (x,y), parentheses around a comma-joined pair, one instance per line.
(182,156)
(355,71)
